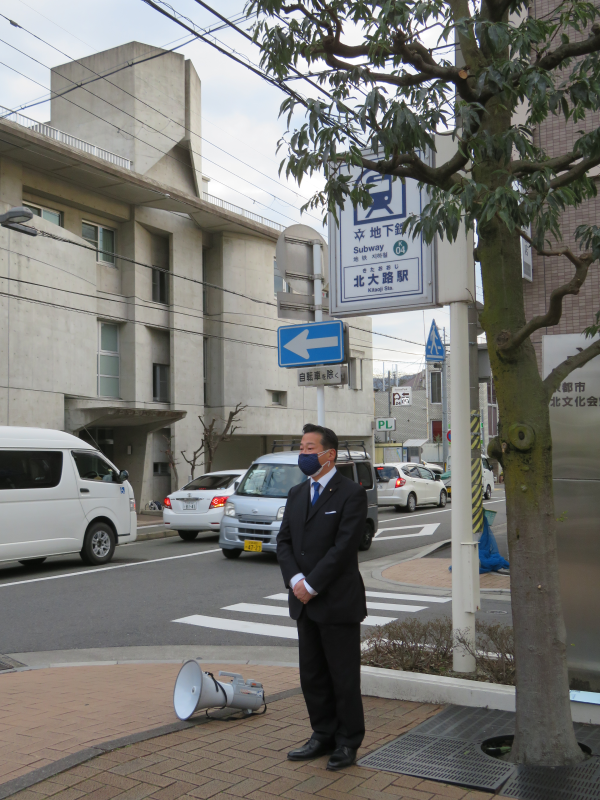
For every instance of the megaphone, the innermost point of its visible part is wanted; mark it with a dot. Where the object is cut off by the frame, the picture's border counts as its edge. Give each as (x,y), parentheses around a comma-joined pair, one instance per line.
(196,690)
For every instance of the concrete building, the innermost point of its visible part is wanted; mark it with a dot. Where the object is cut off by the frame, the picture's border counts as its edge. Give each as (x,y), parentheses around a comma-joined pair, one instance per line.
(144,302)
(423,418)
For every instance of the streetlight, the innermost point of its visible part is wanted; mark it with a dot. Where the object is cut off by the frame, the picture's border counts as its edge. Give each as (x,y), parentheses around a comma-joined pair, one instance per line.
(12,218)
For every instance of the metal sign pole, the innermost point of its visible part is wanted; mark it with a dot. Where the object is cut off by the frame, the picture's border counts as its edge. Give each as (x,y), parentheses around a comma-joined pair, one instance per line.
(445,407)
(318,294)
(465,558)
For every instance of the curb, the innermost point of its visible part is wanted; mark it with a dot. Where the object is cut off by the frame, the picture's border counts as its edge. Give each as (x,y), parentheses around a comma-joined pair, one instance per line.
(81,756)
(441,690)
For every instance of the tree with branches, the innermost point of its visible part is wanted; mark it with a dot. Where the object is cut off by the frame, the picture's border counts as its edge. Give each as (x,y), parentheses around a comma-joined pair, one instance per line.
(212,438)
(394,74)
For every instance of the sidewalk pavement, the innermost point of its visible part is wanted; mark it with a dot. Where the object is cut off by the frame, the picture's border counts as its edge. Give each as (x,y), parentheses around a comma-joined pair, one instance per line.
(433,573)
(54,711)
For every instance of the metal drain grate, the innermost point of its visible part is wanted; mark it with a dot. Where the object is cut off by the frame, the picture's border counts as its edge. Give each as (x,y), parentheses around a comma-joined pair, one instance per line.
(447,747)
(440,759)
(555,783)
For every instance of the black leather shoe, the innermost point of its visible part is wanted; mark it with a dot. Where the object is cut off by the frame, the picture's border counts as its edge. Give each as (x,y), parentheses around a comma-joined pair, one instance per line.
(342,757)
(312,749)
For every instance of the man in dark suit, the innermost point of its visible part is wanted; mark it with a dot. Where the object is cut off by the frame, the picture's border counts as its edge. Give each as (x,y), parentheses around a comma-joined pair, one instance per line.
(317,549)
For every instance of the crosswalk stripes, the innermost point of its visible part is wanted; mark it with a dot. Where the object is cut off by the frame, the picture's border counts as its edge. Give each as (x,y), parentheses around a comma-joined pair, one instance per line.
(288,631)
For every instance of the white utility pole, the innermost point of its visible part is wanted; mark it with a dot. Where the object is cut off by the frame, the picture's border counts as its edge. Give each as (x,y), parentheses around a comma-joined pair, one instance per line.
(318,295)
(465,556)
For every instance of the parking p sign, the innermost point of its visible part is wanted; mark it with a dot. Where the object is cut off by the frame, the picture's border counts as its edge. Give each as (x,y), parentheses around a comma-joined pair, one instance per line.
(385,424)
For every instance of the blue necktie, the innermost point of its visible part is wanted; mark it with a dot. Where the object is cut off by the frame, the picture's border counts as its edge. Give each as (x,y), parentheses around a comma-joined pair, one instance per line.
(316,490)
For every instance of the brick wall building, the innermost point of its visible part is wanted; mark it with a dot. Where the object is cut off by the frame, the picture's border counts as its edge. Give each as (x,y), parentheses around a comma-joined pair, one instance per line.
(557,137)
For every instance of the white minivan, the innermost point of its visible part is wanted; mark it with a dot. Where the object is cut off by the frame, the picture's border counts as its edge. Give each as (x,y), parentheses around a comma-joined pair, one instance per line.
(59,495)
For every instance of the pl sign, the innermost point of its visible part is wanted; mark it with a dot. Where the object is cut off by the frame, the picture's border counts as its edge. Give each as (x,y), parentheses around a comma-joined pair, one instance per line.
(374,268)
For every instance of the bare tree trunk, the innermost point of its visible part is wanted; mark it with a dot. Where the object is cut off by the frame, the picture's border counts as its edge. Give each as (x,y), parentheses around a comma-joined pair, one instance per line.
(544,730)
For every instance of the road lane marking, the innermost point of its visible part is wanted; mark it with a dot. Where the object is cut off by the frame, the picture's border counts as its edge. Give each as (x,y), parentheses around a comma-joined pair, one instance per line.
(442,511)
(422,597)
(98,570)
(427,529)
(394,607)
(282,611)
(240,626)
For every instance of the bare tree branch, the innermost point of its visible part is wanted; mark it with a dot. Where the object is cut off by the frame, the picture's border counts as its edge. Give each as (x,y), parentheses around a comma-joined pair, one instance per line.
(559,373)
(555,306)
(211,438)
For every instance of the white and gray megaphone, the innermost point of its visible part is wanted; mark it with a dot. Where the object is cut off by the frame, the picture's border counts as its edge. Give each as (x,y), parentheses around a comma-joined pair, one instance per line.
(196,690)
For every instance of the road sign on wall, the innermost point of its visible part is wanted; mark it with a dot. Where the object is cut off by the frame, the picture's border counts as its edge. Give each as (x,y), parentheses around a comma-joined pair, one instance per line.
(401,396)
(385,424)
(374,267)
(311,344)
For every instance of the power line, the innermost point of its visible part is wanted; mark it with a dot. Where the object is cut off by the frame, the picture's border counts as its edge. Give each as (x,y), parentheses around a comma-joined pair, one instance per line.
(79,85)
(149,144)
(185,277)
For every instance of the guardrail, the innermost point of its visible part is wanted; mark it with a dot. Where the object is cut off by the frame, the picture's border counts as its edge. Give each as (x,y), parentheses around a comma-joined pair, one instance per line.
(237,210)
(65,138)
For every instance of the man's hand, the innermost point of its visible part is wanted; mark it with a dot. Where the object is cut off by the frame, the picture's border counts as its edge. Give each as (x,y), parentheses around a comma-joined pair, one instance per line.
(301,592)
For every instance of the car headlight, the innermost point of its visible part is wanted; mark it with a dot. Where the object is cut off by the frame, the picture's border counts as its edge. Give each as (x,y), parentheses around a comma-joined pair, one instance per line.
(281,512)
(229,510)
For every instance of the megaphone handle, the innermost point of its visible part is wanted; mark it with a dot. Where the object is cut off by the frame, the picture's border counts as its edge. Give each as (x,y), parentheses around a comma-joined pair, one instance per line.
(230,674)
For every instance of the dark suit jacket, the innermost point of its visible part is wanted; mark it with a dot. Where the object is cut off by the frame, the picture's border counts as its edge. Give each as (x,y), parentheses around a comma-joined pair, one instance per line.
(321,541)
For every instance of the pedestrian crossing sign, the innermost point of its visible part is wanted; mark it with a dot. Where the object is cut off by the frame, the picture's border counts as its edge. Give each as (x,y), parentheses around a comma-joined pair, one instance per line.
(434,347)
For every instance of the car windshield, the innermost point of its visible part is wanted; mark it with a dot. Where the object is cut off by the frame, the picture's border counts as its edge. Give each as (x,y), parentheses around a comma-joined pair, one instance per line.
(271,480)
(211,482)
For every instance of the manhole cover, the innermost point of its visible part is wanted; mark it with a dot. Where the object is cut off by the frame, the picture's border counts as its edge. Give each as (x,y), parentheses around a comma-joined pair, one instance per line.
(493,611)
(447,748)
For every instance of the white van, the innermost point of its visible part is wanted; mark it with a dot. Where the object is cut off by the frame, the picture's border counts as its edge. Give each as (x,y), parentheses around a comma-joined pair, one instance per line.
(58,495)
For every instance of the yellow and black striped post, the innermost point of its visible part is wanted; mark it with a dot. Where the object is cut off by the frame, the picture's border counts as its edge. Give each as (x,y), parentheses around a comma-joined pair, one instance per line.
(476,478)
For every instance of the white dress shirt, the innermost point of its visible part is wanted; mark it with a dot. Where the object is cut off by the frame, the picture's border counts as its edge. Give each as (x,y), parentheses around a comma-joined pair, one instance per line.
(322,483)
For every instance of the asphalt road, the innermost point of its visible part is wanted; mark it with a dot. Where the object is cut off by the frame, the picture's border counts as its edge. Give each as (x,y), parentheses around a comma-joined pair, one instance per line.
(140,598)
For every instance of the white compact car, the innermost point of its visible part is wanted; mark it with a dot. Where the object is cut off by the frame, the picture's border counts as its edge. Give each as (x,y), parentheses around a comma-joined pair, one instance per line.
(59,495)
(406,486)
(200,504)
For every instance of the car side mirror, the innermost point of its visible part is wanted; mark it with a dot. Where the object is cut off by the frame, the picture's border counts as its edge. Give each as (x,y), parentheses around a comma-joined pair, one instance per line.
(235,486)
(437,476)
(123,475)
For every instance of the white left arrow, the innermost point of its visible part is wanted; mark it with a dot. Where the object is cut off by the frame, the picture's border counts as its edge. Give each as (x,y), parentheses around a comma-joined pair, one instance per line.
(301,344)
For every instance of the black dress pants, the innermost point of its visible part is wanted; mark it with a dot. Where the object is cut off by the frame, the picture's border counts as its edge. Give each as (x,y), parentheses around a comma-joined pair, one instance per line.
(330,680)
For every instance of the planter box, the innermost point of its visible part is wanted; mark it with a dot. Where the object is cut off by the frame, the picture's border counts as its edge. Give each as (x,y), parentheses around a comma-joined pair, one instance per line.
(397,685)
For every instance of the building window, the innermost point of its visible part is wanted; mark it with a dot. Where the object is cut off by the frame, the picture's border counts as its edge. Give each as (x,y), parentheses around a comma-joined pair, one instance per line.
(278,398)
(279,285)
(204,289)
(161,468)
(109,361)
(103,239)
(160,286)
(49,214)
(436,430)
(436,387)
(205,369)
(355,373)
(160,382)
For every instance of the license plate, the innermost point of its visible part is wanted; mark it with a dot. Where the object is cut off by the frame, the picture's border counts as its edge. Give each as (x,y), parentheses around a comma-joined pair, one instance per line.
(254,547)
(189,506)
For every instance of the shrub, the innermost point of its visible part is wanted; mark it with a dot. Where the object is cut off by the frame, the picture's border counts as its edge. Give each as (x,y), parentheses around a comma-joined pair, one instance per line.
(414,645)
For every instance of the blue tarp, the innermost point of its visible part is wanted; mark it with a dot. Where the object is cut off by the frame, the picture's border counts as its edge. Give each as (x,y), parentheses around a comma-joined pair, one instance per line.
(490,559)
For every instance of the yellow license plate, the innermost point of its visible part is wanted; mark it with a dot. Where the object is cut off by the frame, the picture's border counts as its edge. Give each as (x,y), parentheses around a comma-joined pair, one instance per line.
(254,547)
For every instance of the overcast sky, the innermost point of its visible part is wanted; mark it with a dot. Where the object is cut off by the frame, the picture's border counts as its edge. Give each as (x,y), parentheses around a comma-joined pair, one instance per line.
(240,113)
